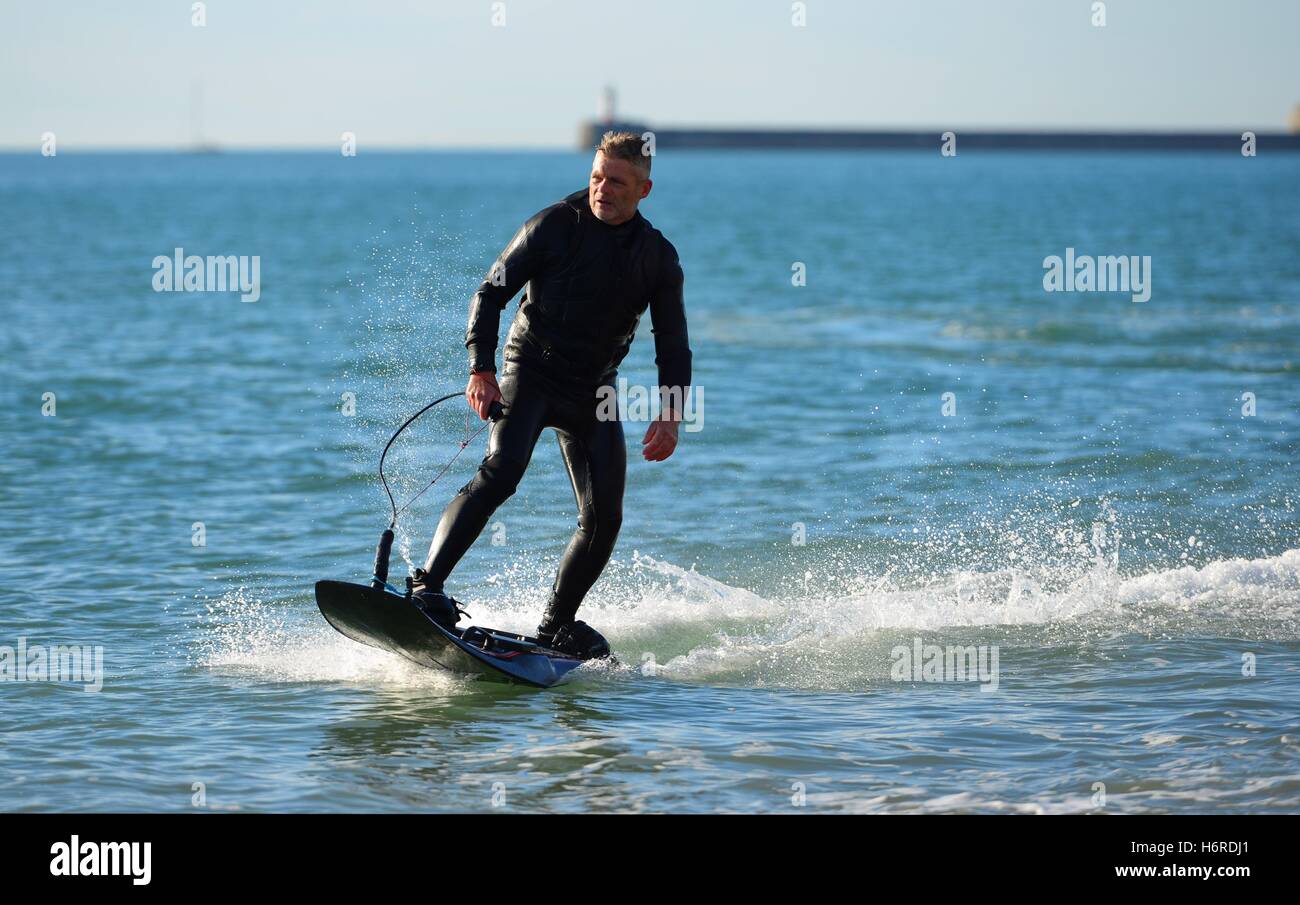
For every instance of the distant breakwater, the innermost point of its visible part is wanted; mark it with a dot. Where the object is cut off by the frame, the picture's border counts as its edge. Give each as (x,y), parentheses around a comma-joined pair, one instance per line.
(933,139)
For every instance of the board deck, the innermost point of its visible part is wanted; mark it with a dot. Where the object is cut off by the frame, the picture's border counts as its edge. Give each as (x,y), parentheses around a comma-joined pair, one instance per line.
(393,623)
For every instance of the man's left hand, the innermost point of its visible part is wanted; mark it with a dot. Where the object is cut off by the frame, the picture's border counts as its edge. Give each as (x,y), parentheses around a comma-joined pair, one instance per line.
(661,439)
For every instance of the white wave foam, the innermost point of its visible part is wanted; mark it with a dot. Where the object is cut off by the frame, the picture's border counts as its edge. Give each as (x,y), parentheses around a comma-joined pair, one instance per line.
(694,627)
(247,636)
(843,640)
(1271,586)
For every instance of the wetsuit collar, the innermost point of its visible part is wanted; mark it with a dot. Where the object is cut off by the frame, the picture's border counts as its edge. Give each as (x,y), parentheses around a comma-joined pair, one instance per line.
(578,201)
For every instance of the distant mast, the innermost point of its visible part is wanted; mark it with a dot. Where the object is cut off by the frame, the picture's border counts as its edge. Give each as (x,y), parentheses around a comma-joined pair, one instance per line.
(198,145)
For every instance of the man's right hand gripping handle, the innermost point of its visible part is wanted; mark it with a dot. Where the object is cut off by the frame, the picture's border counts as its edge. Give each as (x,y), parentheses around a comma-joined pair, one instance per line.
(483,395)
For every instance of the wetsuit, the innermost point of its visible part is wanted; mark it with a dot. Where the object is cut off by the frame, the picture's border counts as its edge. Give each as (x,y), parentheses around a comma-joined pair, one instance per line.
(588,284)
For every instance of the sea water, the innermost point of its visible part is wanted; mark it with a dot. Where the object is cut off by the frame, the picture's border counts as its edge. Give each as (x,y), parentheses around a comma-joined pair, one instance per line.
(943,539)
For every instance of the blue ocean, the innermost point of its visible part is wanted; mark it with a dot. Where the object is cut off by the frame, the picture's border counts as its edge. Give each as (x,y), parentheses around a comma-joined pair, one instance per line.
(908,458)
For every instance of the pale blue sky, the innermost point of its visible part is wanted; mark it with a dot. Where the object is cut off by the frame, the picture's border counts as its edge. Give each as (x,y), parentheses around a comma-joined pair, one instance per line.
(405,73)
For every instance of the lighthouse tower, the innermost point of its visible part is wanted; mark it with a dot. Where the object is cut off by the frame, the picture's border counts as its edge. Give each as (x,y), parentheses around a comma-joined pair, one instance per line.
(606,120)
(605,106)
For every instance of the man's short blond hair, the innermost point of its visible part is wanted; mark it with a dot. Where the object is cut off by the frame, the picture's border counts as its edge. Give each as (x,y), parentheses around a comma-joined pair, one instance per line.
(626,146)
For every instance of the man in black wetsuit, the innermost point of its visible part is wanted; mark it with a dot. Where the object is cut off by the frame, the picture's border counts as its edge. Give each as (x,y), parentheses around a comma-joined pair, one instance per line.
(592,266)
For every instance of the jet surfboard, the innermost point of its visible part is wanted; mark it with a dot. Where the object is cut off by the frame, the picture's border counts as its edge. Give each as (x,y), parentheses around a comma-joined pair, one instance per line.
(379,618)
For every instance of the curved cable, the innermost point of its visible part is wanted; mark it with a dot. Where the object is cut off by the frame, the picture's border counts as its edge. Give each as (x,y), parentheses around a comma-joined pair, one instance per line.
(469,438)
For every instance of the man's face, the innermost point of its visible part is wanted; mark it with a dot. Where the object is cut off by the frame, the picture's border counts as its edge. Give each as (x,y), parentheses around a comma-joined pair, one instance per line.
(617,187)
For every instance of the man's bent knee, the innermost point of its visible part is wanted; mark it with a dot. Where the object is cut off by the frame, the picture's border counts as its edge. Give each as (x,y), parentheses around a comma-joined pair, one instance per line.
(603,527)
(497,478)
